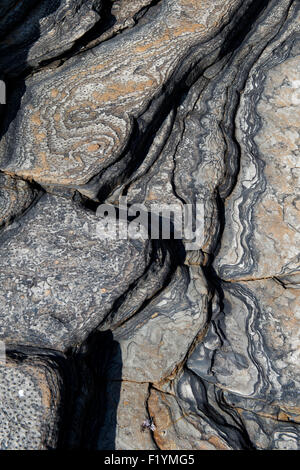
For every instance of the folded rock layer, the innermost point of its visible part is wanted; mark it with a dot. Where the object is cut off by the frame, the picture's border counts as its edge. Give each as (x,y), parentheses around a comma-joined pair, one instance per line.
(184,341)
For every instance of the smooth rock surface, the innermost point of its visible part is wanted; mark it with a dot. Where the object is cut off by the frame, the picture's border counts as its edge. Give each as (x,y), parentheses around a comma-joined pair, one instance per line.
(154,343)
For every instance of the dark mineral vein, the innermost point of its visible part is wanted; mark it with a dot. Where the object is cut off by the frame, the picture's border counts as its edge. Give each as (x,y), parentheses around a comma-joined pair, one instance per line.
(164,102)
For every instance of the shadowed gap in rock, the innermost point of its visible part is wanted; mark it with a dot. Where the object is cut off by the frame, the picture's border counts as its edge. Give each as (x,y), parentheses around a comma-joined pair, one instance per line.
(91,421)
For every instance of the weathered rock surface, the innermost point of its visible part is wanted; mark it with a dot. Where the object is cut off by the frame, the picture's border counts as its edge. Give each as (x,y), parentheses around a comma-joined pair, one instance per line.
(178,429)
(169,102)
(261,237)
(35,31)
(252,349)
(130,415)
(16,195)
(78,119)
(155,342)
(60,277)
(31,393)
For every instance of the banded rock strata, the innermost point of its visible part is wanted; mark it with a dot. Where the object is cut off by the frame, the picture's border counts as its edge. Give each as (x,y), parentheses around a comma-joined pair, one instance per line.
(162,102)
(33,32)
(93,94)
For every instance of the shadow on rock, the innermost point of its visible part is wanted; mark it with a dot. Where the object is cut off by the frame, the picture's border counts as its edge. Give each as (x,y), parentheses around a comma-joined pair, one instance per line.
(91,420)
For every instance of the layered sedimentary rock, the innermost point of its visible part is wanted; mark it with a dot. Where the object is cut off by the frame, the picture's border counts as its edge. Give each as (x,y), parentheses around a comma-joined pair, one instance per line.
(155,342)
(78,119)
(177,342)
(35,31)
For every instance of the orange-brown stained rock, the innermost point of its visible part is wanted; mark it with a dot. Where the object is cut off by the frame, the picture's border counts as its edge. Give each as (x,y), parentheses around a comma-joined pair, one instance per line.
(91,99)
(131,402)
(174,431)
(163,421)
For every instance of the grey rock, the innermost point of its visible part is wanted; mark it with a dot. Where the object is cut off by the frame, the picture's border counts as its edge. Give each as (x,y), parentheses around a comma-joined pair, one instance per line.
(31,392)
(16,195)
(60,277)
(262,214)
(36,31)
(171,103)
(155,342)
(79,118)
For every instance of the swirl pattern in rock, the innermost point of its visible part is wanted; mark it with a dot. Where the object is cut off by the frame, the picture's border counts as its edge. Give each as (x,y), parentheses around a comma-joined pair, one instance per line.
(78,119)
(262,213)
(152,342)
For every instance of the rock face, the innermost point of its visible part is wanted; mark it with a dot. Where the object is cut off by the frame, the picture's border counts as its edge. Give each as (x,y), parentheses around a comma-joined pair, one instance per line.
(35,31)
(60,276)
(31,391)
(168,104)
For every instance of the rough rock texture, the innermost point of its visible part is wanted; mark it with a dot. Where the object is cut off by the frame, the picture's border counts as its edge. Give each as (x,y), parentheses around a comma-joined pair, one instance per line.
(31,390)
(16,195)
(34,31)
(170,102)
(60,277)
(78,119)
